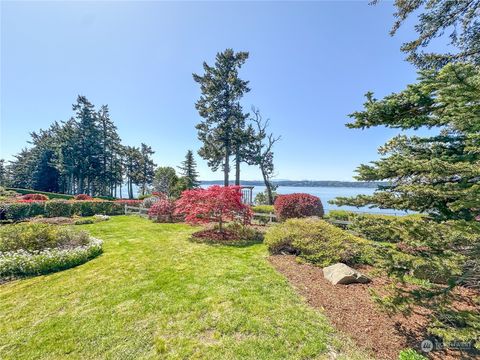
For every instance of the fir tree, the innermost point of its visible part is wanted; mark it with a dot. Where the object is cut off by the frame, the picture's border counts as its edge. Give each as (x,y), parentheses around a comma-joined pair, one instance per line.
(219,105)
(437,174)
(188,170)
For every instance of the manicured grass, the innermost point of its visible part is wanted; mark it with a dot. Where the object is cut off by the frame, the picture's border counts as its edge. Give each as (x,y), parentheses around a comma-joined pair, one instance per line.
(154,294)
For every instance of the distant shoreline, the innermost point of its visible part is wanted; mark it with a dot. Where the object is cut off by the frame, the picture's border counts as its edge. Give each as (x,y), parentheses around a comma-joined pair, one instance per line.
(305,183)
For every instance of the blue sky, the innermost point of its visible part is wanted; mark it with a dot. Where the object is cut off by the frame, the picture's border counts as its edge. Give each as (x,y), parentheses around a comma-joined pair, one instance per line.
(310,65)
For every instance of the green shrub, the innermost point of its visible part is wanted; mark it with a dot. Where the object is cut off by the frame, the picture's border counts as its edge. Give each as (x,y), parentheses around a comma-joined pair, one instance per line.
(410,354)
(55,208)
(263,209)
(33,236)
(341,215)
(317,241)
(24,263)
(21,210)
(30,249)
(84,221)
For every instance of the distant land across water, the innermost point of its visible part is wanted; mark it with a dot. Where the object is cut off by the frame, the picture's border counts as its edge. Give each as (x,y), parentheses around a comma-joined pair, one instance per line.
(305,183)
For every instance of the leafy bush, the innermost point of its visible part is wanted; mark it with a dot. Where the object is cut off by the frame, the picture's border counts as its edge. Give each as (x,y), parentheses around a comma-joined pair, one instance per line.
(297,206)
(19,211)
(30,249)
(215,204)
(316,241)
(81,197)
(31,236)
(410,354)
(342,215)
(36,197)
(262,198)
(263,209)
(84,221)
(162,210)
(55,208)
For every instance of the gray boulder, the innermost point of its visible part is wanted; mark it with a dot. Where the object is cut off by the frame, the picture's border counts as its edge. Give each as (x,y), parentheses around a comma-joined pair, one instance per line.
(340,273)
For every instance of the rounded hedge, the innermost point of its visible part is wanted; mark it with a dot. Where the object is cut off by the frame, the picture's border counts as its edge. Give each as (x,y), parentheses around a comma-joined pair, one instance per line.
(297,205)
(34,249)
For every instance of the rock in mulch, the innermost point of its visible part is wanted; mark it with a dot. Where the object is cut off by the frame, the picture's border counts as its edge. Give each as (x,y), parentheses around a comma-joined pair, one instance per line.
(340,273)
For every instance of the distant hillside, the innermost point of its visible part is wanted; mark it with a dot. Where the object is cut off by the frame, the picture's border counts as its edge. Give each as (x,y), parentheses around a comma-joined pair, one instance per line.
(306,183)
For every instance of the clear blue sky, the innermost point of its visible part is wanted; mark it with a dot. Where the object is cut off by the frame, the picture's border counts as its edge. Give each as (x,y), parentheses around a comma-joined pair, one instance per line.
(310,65)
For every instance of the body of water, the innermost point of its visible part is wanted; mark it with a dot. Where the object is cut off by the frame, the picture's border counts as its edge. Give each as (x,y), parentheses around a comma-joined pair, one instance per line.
(326,193)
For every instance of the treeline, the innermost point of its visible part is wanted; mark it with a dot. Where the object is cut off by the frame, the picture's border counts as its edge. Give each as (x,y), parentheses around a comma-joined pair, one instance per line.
(83,155)
(308,183)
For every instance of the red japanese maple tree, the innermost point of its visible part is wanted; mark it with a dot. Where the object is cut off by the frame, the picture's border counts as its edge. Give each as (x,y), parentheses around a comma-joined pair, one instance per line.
(214,204)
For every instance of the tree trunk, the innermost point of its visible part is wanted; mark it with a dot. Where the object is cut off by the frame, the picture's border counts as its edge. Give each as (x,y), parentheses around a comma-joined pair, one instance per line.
(226,166)
(268,186)
(237,167)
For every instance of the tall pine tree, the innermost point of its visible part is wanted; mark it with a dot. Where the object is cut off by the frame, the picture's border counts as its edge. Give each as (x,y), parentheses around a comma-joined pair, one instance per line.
(220,107)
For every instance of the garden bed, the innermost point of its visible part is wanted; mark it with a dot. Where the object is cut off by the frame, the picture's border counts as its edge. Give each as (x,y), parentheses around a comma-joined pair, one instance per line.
(36,249)
(352,310)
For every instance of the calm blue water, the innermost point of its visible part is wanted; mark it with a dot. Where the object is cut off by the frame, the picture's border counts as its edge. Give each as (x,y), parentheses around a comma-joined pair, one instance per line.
(329,193)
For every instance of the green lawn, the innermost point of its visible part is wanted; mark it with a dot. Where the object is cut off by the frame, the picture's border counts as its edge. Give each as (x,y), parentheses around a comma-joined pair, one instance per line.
(154,294)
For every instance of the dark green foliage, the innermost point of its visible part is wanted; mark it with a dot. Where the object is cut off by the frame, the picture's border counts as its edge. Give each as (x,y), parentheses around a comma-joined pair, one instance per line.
(316,241)
(56,208)
(458,18)
(83,155)
(438,174)
(222,131)
(84,221)
(188,170)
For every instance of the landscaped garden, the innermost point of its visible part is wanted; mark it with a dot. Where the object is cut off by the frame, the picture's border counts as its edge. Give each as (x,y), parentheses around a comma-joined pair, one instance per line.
(155,294)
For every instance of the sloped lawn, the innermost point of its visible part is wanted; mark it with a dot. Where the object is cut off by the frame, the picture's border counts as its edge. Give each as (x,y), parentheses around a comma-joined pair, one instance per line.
(154,294)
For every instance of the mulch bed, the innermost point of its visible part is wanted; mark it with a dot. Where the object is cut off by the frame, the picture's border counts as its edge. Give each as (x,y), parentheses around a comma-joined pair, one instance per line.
(215,235)
(54,220)
(352,310)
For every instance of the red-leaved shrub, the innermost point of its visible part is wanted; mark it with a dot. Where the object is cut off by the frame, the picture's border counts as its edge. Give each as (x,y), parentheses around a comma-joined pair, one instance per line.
(297,206)
(34,197)
(162,210)
(214,204)
(83,197)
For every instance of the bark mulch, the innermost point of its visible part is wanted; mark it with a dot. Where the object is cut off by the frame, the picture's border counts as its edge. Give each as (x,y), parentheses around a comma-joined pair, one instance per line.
(351,309)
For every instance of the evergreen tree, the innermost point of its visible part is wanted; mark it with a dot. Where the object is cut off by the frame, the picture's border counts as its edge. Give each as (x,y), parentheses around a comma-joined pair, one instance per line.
(438,174)
(132,165)
(147,168)
(219,105)
(188,170)
(3,173)
(460,17)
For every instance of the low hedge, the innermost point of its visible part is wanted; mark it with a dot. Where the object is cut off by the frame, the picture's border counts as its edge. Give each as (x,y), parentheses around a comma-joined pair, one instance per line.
(52,195)
(58,208)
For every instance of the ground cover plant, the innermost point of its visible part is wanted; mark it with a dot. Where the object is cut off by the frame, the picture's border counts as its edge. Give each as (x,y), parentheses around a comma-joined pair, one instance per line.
(33,248)
(155,294)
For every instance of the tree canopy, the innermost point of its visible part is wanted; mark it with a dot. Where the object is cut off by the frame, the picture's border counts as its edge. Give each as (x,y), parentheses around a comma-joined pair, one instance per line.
(437,174)
(222,130)
(458,18)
